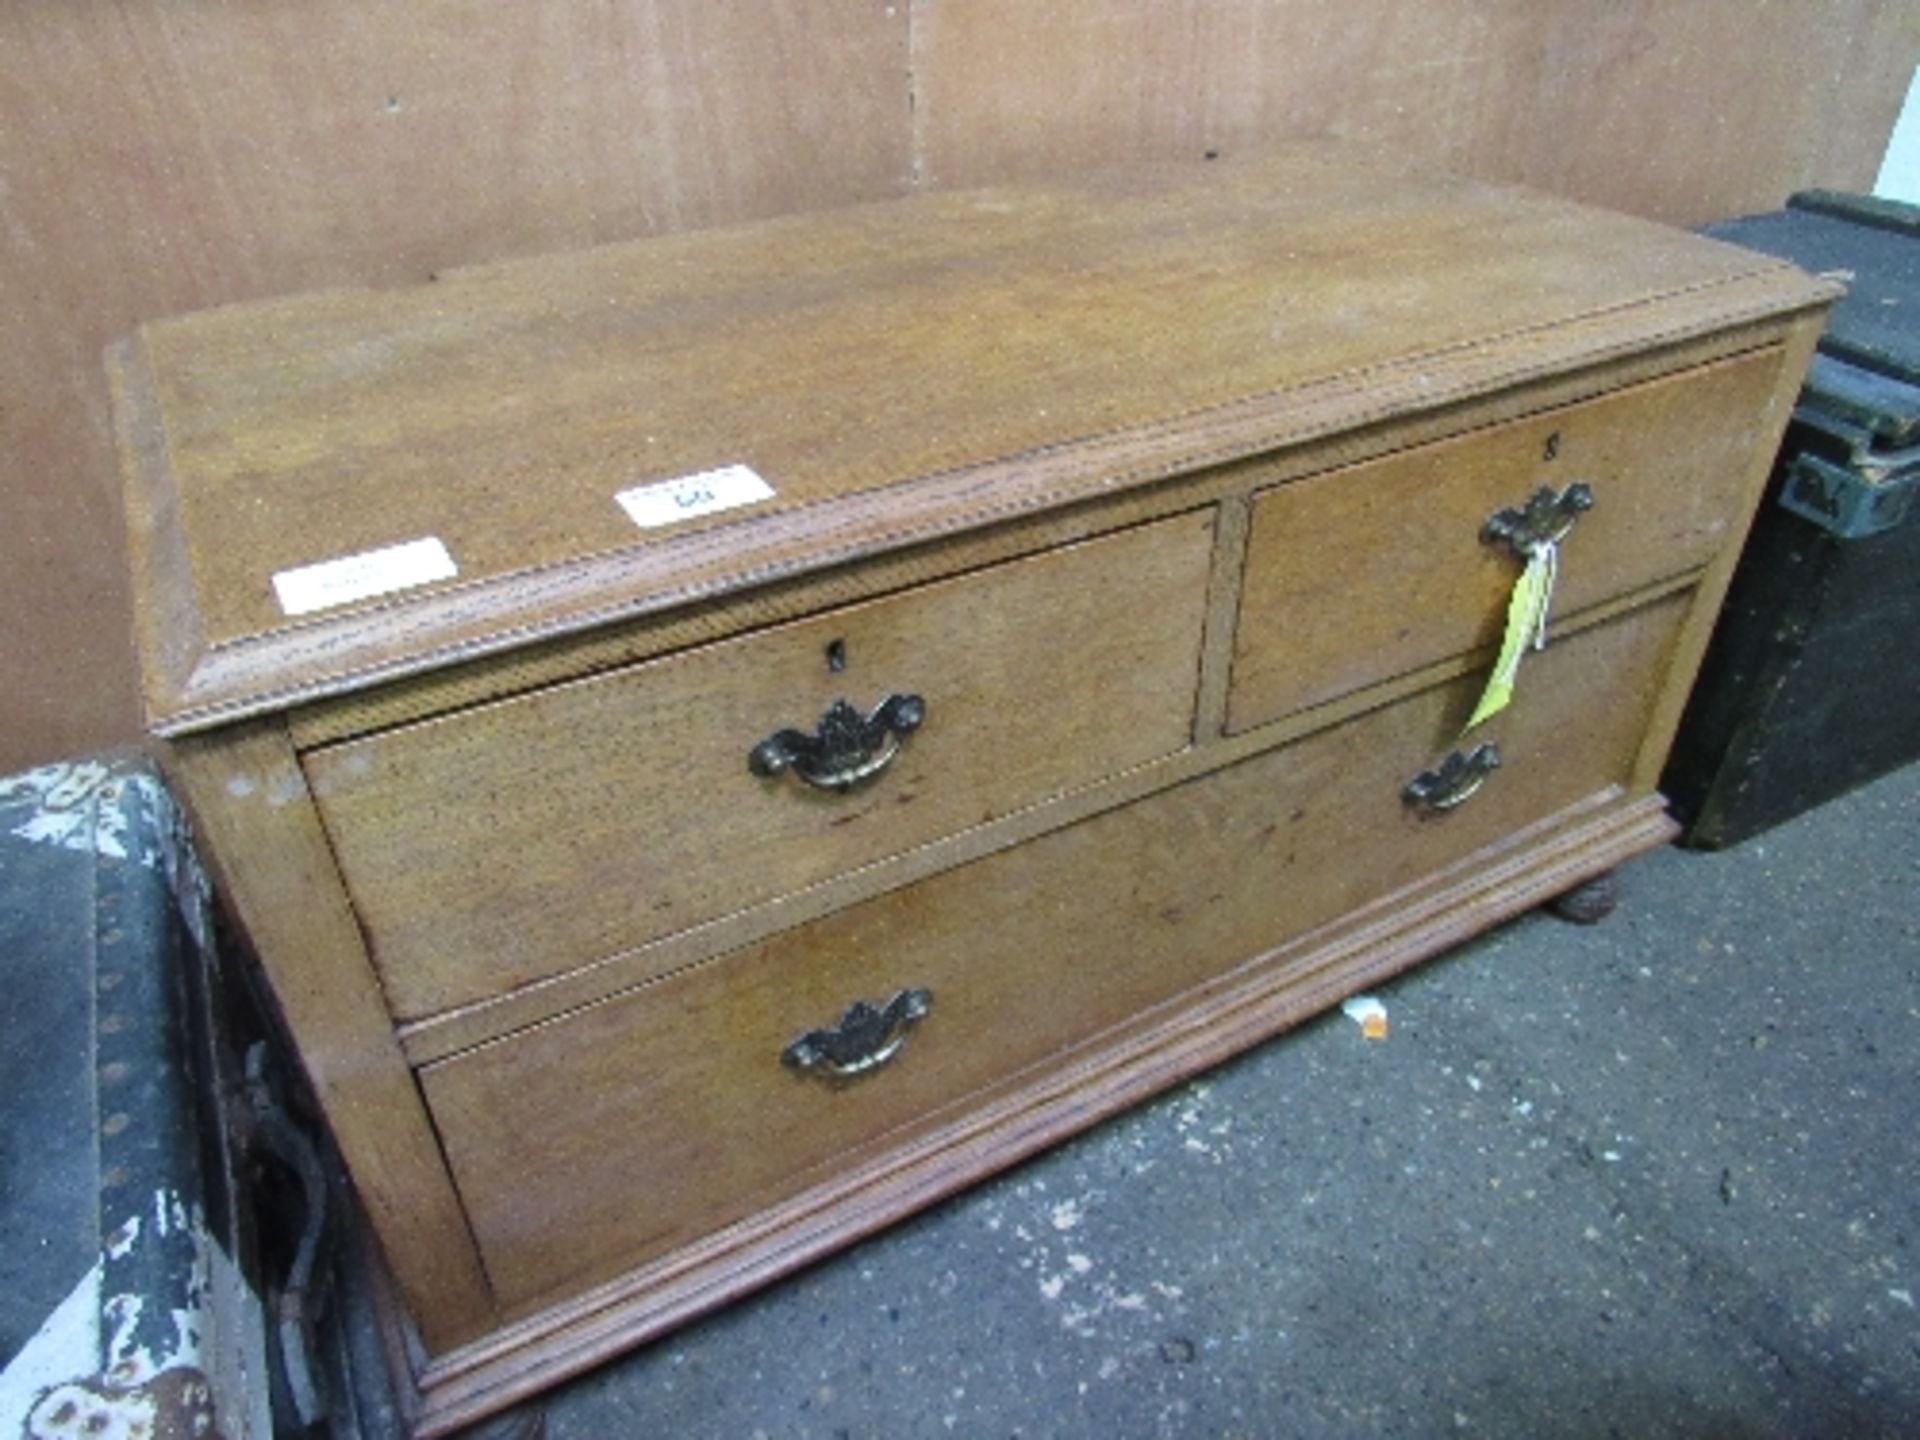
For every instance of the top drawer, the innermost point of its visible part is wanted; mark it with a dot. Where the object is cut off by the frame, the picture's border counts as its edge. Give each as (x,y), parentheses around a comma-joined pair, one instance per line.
(513,842)
(1365,573)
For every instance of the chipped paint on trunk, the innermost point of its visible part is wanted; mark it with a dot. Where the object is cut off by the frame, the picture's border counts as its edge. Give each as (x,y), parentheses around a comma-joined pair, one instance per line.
(117,810)
(66,1345)
(66,812)
(117,1363)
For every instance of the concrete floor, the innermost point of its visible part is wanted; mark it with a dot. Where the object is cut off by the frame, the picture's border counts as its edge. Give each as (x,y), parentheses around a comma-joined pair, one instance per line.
(1657,1177)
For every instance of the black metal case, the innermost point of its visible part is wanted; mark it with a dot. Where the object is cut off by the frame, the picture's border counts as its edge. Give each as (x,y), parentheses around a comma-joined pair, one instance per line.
(1810,687)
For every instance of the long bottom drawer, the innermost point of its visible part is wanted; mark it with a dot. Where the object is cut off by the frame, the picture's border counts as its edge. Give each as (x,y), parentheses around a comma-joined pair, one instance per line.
(603,1139)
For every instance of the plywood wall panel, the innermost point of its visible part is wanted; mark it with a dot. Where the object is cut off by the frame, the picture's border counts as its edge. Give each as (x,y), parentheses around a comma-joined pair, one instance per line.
(1691,110)
(1678,109)
(165,155)
(1005,88)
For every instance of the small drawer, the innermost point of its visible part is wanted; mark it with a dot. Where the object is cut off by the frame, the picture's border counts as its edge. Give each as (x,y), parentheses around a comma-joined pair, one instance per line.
(610,1137)
(1365,573)
(515,841)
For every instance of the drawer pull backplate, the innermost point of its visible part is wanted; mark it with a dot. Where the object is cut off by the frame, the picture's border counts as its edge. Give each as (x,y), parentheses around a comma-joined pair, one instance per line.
(863,1039)
(1453,781)
(1544,520)
(846,747)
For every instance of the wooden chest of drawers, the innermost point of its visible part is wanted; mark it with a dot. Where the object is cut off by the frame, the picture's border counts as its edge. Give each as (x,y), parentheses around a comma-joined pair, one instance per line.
(720,741)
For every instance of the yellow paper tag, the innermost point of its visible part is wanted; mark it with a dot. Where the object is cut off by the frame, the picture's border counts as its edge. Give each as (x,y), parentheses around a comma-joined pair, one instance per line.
(1526,626)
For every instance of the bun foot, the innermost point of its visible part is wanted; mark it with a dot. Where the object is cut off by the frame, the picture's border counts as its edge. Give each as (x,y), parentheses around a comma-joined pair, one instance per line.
(1589,902)
(527,1421)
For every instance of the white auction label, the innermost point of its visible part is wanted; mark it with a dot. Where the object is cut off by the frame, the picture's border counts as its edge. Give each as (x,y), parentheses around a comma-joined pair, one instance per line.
(362,576)
(668,502)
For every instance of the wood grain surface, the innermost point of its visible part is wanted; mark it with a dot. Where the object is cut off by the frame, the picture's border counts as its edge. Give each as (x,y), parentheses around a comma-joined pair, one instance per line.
(931,380)
(1026,953)
(865,1194)
(893,371)
(255,821)
(441,1036)
(158,156)
(420,694)
(1363,573)
(507,844)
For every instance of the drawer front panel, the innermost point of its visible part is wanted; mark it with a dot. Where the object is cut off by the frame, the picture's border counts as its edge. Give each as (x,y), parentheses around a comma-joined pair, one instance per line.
(499,846)
(1372,571)
(596,1142)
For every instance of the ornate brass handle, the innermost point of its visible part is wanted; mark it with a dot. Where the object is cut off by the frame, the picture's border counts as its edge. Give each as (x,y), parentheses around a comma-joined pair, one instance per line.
(1544,520)
(863,1039)
(846,748)
(1453,780)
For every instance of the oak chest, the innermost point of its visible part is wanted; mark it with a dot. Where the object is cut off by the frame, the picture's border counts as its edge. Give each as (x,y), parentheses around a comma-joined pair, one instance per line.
(719,741)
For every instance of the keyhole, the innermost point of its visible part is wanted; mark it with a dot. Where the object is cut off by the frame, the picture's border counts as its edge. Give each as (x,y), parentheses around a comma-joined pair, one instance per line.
(836,656)
(1552,446)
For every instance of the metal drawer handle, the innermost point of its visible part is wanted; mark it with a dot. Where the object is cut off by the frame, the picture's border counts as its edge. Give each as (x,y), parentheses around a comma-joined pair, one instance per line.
(1453,781)
(1544,520)
(846,747)
(863,1039)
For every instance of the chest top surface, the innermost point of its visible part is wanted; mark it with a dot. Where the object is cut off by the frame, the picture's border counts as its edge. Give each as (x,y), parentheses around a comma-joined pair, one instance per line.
(889,373)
